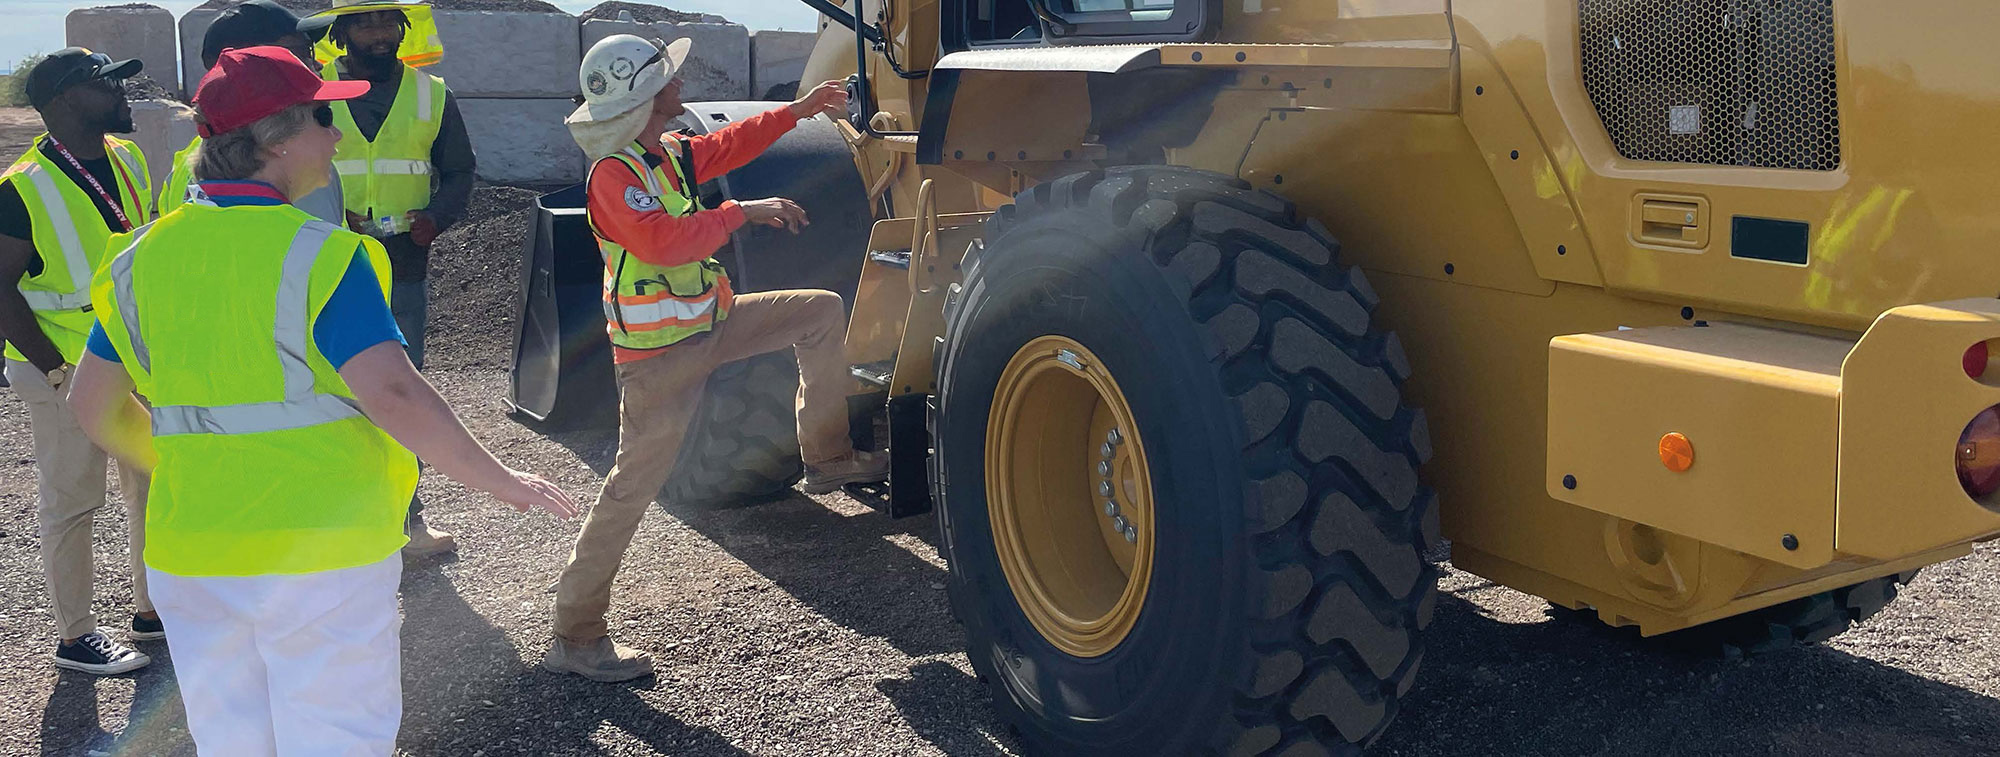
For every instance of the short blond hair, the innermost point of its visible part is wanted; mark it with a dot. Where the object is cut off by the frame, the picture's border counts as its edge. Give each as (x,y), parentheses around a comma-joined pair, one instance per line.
(239,154)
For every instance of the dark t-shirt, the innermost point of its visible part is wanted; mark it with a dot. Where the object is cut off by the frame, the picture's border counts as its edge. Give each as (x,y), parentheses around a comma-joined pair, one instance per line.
(14,221)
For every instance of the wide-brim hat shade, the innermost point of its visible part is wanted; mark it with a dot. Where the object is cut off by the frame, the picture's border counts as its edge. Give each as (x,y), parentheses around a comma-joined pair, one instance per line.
(421,44)
(623,72)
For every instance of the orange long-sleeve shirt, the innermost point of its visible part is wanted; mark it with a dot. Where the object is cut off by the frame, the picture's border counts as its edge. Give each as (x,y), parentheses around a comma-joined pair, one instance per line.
(651,234)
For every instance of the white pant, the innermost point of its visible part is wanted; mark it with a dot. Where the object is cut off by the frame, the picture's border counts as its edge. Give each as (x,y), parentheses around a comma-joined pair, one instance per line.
(294,665)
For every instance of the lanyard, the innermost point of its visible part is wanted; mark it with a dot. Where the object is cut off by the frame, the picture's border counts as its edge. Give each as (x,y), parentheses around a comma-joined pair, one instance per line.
(87,176)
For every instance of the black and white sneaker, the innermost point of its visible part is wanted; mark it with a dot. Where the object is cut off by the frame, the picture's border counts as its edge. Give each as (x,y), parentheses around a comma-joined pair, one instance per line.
(96,653)
(147,629)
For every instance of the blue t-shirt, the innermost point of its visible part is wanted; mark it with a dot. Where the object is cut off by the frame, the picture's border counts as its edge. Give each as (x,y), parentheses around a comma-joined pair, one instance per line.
(355,318)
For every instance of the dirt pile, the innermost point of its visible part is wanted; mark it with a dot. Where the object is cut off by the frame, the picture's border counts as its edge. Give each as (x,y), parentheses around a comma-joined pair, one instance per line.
(475,279)
(300,7)
(648,14)
(144,87)
(508,6)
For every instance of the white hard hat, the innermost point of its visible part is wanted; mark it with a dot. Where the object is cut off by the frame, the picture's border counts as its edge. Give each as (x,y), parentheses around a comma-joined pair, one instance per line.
(622,72)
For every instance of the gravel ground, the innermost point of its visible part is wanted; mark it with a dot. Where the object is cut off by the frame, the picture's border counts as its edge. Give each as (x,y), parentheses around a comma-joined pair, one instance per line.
(814,626)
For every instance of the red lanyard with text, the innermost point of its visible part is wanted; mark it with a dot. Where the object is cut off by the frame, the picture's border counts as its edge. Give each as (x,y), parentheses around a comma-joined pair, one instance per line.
(109,201)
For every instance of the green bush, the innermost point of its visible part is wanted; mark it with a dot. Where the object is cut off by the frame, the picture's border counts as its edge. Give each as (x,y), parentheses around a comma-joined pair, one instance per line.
(14,86)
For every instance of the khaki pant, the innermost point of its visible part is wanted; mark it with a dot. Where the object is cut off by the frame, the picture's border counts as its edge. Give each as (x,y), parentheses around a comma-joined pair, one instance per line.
(657,398)
(70,471)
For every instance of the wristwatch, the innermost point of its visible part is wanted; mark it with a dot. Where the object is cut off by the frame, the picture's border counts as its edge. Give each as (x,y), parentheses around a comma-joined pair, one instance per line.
(57,376)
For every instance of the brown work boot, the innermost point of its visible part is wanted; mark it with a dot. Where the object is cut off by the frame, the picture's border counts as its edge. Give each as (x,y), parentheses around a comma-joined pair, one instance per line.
(600,660)
(424,540)
(856,467)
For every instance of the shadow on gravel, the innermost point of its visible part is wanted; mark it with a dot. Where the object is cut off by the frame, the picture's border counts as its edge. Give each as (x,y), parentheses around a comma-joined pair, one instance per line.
(467,691)
(69,721)
(920,699)
(846,568)
(1562,688)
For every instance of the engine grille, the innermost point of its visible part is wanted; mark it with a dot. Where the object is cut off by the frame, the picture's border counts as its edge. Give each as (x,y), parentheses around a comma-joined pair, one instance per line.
(1723,82)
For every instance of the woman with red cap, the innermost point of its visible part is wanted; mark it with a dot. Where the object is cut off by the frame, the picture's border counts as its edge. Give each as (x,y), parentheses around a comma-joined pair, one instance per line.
(281,420)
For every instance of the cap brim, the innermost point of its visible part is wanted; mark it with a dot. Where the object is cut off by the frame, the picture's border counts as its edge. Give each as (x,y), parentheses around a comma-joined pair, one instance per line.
(123,69)
(340,90)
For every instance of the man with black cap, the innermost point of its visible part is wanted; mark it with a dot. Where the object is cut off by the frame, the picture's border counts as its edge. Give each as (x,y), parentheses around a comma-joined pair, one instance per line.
(405,162)
(253,23)
(59,205)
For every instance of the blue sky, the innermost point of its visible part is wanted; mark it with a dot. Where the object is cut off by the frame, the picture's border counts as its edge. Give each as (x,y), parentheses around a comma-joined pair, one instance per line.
(36,26)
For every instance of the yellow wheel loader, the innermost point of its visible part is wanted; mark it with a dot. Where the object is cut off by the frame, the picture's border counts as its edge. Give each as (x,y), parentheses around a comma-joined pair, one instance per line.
(1199,321)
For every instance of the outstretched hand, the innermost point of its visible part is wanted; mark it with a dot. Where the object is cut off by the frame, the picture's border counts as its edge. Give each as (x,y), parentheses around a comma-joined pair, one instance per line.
(829,97)
(527,490)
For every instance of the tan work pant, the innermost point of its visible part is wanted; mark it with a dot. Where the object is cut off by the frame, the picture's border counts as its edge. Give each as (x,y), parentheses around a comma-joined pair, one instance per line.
(658,397)
(70,472)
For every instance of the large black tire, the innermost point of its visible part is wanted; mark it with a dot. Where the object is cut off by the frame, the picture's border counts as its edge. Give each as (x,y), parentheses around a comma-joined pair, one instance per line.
(743,444)
(1289,585)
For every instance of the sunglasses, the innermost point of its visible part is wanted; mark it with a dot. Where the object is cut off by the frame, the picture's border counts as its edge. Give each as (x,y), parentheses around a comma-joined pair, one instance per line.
(323,115)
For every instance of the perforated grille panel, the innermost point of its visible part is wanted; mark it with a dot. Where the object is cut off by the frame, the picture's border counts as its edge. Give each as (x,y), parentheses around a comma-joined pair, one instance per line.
(1725,82)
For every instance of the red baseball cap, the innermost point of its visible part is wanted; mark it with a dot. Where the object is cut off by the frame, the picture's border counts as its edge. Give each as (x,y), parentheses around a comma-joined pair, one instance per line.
(248,84)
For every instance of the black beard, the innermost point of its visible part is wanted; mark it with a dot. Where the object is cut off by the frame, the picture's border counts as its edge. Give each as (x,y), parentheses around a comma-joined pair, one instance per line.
(119,125)
(383,61)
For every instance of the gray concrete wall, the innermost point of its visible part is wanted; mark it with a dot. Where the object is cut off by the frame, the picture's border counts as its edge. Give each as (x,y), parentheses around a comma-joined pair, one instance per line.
(143,33)
(777,58)
(193,25)
(495,54)
(718,67)
(522,141)
(161,128)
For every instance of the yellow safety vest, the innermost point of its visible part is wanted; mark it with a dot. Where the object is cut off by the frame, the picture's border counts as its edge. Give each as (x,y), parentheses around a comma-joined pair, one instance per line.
(70,236)
(649,306)
(267,465)
(390,175)
(174,191)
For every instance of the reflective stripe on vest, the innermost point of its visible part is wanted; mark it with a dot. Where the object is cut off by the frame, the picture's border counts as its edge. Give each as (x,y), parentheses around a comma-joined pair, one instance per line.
(302,406)
(77,264)
(644,304)
(384,167)
(389,175)
(175,192)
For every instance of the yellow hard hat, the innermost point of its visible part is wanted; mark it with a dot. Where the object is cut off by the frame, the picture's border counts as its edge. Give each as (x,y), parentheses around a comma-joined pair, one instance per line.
(421,45)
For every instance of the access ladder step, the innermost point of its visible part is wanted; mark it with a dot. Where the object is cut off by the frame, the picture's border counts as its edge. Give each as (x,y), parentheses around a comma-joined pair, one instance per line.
(876,374)
(890,258)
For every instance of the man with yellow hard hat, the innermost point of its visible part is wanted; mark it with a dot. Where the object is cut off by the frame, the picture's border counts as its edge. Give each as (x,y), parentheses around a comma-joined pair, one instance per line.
(405,162)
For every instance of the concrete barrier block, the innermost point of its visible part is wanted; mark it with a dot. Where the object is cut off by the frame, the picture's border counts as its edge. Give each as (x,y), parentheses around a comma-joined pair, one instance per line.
(507,54)
(161,128)
(718,68)
(194,24)
(522,141)
(145,33)
(777,59)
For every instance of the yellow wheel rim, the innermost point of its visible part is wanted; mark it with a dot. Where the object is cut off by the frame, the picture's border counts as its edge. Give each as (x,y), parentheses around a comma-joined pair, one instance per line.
(1069,496)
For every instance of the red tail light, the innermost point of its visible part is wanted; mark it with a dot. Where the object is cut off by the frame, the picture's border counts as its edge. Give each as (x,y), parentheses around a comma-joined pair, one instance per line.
(1975,360)
(1979,454)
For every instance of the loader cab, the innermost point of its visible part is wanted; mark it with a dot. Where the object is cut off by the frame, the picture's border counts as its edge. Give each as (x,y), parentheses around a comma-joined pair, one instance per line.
(967,24)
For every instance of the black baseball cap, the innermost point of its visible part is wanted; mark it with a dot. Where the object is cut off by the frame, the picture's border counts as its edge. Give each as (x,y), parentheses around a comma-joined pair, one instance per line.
(248,24)
(71,66)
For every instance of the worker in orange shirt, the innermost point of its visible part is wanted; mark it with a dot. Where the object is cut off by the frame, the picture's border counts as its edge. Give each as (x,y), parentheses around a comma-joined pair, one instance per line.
(673,319)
